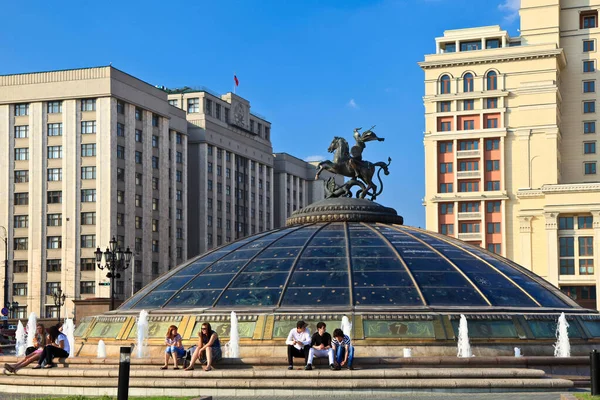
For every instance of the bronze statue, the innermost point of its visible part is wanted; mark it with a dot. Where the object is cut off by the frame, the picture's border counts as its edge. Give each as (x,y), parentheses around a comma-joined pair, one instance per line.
(349,163)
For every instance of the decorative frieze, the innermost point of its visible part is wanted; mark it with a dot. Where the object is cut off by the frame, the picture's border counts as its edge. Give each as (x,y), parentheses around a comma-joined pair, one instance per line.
(525,224)
(551,218)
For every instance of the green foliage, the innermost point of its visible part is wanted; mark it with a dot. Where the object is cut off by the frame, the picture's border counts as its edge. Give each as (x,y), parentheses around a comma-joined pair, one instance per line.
(80,397)
(586,396)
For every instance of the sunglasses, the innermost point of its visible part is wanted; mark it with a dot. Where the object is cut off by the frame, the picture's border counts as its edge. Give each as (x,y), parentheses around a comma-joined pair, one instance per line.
(204,329)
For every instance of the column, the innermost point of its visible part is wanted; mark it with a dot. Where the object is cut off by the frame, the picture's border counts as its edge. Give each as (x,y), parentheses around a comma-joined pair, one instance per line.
(552,247)
(437,47)
(503,41)
(596,226)
(457,44)
(6,188)
(524,255)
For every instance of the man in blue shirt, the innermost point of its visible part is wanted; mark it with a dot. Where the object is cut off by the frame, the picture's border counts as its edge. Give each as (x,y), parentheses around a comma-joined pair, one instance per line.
(343,349)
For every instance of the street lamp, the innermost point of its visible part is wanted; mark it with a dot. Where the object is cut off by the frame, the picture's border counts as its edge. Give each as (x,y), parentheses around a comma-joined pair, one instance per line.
(5,272)
(59,300)
(13,308)
(115,260)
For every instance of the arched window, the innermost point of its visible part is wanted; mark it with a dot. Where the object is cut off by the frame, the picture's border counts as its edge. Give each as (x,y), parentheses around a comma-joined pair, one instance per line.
(445,84)
(468,82)
(492,80)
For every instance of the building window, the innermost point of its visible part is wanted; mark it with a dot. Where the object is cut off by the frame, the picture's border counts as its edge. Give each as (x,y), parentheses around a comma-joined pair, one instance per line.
(19,289)
(54,107)
(468,125)
(468,187)
(21,176)
(450,48)
(208,107)
(138,114)
(447,229)
(491,102)
(155,247)
(179,138)
(120,107)
(22,154)
(138,179)
(444,106)
(87,264)
(120,219)
(21,132)
(492,144)
(21,221)
(155,162)
(492,165)
(468,145)
(585,222)
(469,206)
(121,152)
(179,157)
(492,43)
(589,127)
(53,242)
(120,130)
(154,225)
(173,102)
(120,197)
(54,152)
(87,287)
(54,220)
(494,248)
(55,129)
(179,233)
(588,19)
(589,168)
(588,45)
(54,174)
(88,195)
(566,223)
(470,46)
(21,199)
(155,120)
(88,127)
(589,86)
(88,150)
(179,214)
(493,227)
(469,227)
(193,105)
(446,208)
(589,107)
(53,266)
(138,222)
(566,254)
(179,176)
(20,266)
(88,241)
(445,84)
(155,183)
(491,123)
(21,110)
(21,243)
(468,104)
(468,84)
(445,147)
(446,188)
(445,168)
(492,185)
(88,105)
(88,173)
(88,218)
(138,157)
(154,204)
(155,141)
(589,66)
(492,80)
(138,135)
(589,147)
(55,197)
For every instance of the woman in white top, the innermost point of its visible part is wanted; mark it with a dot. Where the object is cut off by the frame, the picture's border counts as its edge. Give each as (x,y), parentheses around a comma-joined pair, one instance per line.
(58,347)
(39,342)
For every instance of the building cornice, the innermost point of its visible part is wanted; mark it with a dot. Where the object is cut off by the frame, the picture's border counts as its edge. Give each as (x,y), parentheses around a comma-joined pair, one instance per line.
(565,188)
(493,58)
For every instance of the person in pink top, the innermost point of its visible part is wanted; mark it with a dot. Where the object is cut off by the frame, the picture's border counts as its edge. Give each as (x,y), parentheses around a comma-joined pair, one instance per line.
(174,349)
(39,342)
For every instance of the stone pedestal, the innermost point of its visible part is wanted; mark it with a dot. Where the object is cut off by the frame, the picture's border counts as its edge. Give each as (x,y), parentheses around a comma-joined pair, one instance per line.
(90,307)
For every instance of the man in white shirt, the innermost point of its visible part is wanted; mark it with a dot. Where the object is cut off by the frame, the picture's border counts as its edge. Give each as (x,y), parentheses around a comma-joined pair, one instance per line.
(298,343)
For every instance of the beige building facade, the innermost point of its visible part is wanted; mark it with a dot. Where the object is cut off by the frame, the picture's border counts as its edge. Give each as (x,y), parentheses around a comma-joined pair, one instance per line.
(510,141)
(85,155)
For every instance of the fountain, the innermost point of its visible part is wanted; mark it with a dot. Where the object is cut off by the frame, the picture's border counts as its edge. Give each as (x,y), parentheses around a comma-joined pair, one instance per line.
(68,331)
(407,352)
(101,349)
(234,337)
(346,326)
(31,329)
(464,347)
(21,342)
(142,334)
(562,348)
(518,352)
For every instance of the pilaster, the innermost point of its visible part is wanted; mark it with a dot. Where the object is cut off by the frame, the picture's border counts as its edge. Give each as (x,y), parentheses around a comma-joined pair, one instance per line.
(525,242)
(552,247)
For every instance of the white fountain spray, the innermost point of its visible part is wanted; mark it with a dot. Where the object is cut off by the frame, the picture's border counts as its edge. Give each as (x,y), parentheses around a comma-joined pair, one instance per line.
(346,326)
(31,331)
(21,341)
(464,347)
(101,349)
(69,332)
(562,348)
(234,337)
(142,334)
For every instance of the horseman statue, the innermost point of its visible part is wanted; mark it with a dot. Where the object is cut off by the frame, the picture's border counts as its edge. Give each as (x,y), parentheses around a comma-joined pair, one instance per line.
(349,163)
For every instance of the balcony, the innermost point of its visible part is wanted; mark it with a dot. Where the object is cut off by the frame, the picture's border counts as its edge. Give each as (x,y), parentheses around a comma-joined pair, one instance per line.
(468,174)
(468,153)
(470,236)
(469,215)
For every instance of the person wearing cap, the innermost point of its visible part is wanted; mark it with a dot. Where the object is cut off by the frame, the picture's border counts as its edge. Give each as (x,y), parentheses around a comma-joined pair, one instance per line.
(298,343)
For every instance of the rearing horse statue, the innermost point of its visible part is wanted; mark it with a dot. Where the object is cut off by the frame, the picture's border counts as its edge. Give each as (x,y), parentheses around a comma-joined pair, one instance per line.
(360,171)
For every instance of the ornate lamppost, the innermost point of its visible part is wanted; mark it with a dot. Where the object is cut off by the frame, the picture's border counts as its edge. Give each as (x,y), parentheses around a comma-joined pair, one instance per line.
(13,308)
(115,260)
(59,300)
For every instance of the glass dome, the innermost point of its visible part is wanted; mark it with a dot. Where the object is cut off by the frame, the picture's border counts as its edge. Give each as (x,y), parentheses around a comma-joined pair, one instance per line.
(350,265)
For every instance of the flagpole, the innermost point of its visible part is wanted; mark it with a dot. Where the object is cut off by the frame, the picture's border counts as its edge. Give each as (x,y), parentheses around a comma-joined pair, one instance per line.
(234,82)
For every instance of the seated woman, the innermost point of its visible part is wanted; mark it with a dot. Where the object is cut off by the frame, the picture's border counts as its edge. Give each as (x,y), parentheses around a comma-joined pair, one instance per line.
(208,349)
(39,342)
(58,346)
(174,349)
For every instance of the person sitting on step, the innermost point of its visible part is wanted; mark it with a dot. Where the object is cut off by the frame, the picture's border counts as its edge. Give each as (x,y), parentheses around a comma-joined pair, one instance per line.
(321,346)
(298,343)
(208,349)
(58,347)
(174,349)
(35,351)
(344,351)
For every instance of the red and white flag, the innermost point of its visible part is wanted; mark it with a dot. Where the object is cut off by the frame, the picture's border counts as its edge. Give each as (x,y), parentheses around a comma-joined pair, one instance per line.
(237,82)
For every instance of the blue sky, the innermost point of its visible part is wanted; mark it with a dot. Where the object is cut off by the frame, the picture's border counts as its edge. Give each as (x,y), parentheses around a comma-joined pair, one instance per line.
(315,69)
